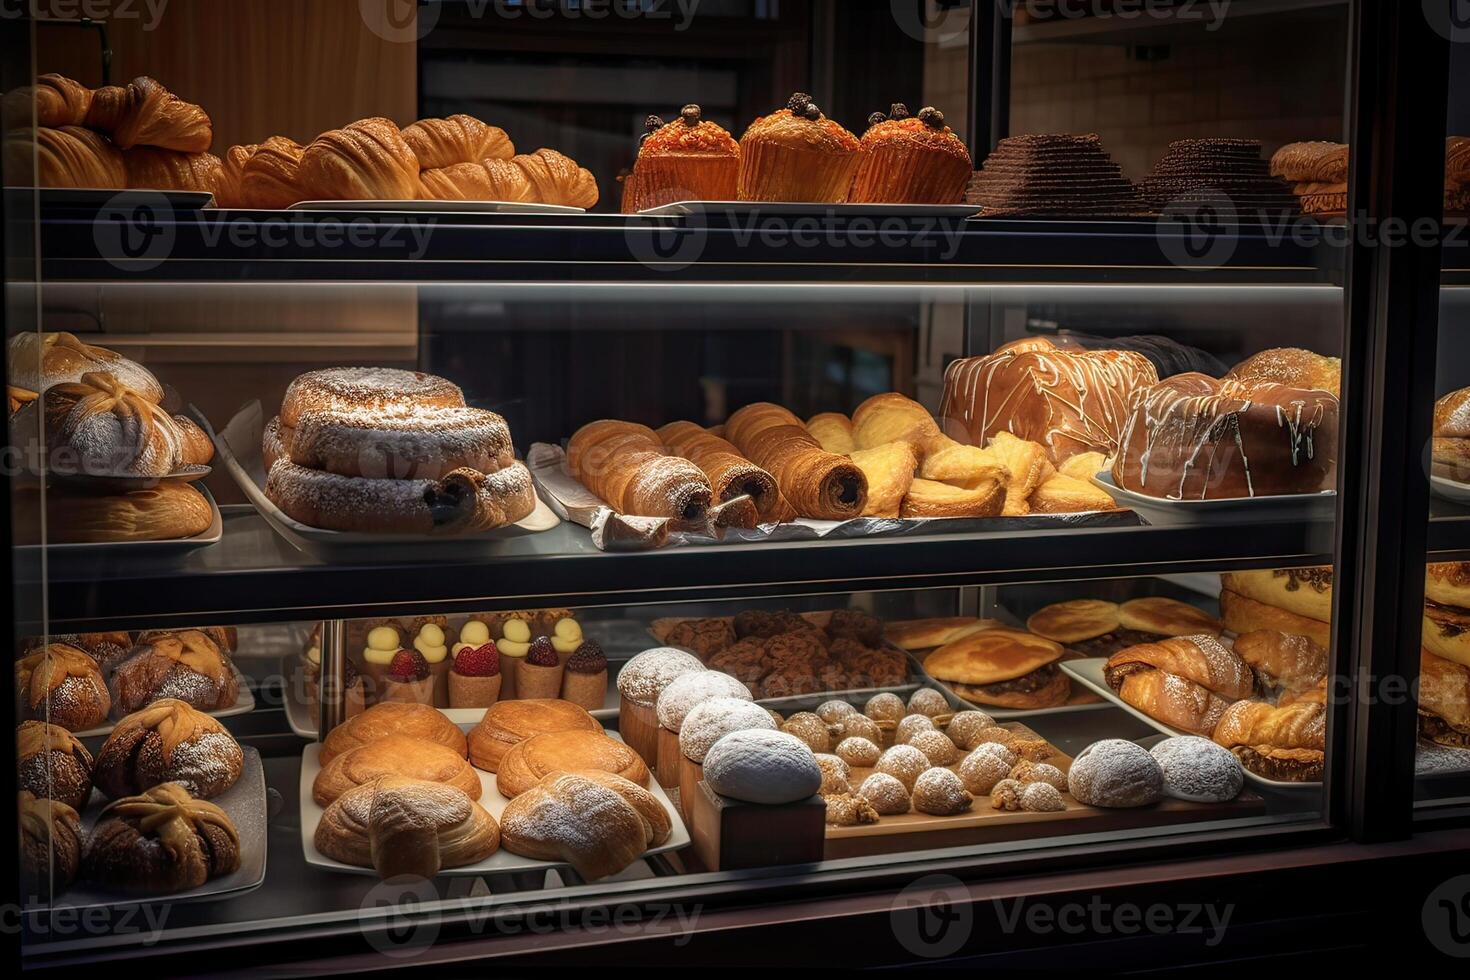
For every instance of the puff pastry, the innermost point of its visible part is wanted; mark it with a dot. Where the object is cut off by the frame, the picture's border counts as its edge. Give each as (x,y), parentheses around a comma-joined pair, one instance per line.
(400,826)
(598,823)
(366,160)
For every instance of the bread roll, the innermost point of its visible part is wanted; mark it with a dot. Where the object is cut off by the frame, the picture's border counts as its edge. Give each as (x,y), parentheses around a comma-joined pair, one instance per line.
(400,826)
(596,823)
(170,511)
(396,755)
(1302,591)
(393,718)
(532,759)
(507,723)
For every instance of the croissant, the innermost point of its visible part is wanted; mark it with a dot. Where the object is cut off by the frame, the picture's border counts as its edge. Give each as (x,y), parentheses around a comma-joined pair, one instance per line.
(625,464)
(66,157)
(834,431)
(730,474)
(1171,699)
(889,471)
(365,161)
(150,168)
(58,101)
(264,175)
(488,180)
(1285,660)
(144,113)
(558,180)
(892,417)
(1287,743)
(597,823)
(816,483)
(1203,660)
(458,139)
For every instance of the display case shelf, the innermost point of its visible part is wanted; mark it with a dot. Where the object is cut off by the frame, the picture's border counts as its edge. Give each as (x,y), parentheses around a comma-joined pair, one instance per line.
(254,576)
(1449,531)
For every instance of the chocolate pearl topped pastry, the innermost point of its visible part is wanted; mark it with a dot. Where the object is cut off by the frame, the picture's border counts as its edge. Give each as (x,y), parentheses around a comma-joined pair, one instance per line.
(690,115)
(931,117)
(51,762)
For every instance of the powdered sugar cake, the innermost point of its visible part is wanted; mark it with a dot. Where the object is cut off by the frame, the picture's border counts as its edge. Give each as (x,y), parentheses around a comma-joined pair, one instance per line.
(380,391)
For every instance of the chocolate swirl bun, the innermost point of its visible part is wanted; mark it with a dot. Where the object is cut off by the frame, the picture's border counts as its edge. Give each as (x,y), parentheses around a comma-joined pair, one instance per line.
(168,741)
(163,840)
(187,665)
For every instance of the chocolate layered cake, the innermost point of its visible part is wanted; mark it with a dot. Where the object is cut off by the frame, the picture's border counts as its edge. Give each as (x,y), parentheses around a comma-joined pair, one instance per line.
(1210,172)
(1053,176)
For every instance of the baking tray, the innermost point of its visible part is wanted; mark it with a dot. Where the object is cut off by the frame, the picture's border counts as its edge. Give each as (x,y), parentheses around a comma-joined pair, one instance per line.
(796,209)
(100,549)
(439,207)
(1443,486)
(239,451)
(1089,671)
(299,715)
(499,862)
(245,803)
(244,704)
(1238,510)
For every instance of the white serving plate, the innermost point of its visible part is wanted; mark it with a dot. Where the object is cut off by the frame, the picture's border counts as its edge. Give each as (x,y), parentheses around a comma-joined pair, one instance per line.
(238,446)
(245,803)
(1090,673)
(439,207)
(210,535)
(796,209)
(244,704)
(1443,486)
(299,716)
(1285,507)
(501,861)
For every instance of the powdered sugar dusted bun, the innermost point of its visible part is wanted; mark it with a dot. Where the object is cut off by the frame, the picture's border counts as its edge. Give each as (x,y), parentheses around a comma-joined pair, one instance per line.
(422,444)
(378,391)
(687,691)
(860,726)
(981,771)
(761,766)
(941,793)
(464,501)
(859,752)
(1042,798)
(903,762)
(885,707)
(927,701)
(964,728)
(936,746)
(644,678)
(833,712)
(712,720)
(885,794)
(1116,773)
(909,726)
(1198,770)
(835,773)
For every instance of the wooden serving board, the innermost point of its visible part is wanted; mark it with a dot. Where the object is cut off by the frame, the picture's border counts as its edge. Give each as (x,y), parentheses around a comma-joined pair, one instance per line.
(982,824)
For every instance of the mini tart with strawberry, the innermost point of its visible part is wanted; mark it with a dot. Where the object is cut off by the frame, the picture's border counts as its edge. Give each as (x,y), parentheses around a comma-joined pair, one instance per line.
(585,679)
(474,680)
(798,154)
(911,160)
(409,679)
(541,672)
(689,159)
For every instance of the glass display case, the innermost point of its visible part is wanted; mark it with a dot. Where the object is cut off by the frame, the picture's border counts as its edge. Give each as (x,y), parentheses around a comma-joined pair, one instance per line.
(421,546)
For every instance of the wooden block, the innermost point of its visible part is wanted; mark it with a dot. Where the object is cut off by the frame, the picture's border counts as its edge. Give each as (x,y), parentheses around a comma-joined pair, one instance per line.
(667,769)
(729,835)
(690,773)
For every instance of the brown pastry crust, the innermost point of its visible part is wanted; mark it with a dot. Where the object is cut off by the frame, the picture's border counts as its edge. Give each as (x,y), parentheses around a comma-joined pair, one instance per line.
(626,465)
(702,637)
(991,656)
(401,826)
(1046,687)
(596,822)
(168,741)
(393,718)
(168,512)
(1243,615)
(1075,620)
(1293,663)
(926,634)
(52,763)
(816,483)
(531,760)
(1444,700)
(1163,616)
(1291,367)
(162,840)
(64,686)
(507,723)
(51,840)
(186,665)
(1303,591)
(365,161)
(395,755)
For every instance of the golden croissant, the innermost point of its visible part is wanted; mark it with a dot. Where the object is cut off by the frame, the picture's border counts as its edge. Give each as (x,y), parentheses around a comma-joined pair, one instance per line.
(264,175)
(144,113)
(558,180)
(58,101)
(365,161)
(168,170)
(489,180)
(457,139)
(816,483)
(730,474)
(625,464)
(67,157)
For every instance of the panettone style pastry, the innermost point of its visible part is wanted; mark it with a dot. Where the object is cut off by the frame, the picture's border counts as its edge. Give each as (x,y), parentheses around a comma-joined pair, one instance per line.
(1291,367)
(395,755)
(265,176)
(368,160)
(1444,701)
(1195,438)
(186,665)
(168,741)
(816,483)
(401,826)
(730,474)
(1069,401)
(625,464)
(507,723)
(456,139)
(689,159)
(51,842)
(798,154)
(911,160)
(1451,445)
(532,759)
(1287,743)
(144,113)
(393,718)
(38,361)
(52,763)
(1186,682)
(597,822)
(62,685)
(1002,667)
(162,840)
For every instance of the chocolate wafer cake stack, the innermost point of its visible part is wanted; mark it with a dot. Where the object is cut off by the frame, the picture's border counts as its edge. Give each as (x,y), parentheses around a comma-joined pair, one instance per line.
(1053,176)
(1202,172)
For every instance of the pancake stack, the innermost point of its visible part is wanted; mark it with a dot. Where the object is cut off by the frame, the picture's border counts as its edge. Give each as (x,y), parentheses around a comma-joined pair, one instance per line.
(1205,172)
(1053,176)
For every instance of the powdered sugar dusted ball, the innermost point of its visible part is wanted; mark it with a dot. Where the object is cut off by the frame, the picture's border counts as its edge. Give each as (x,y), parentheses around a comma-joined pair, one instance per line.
(885,707)
(835,774)
(885,793)
(941,793)
(980,771)
(1041,798)
(712,720)
(937,746)
(1027,772)
(965,726)
(903,762)
(910,726)
(927,701)
(1116,773)
(861,726)
(1002,752)
(644,678)
(1198,770)
(762,766)
(859,753)
(810,729)
(833,712)
(687,691)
